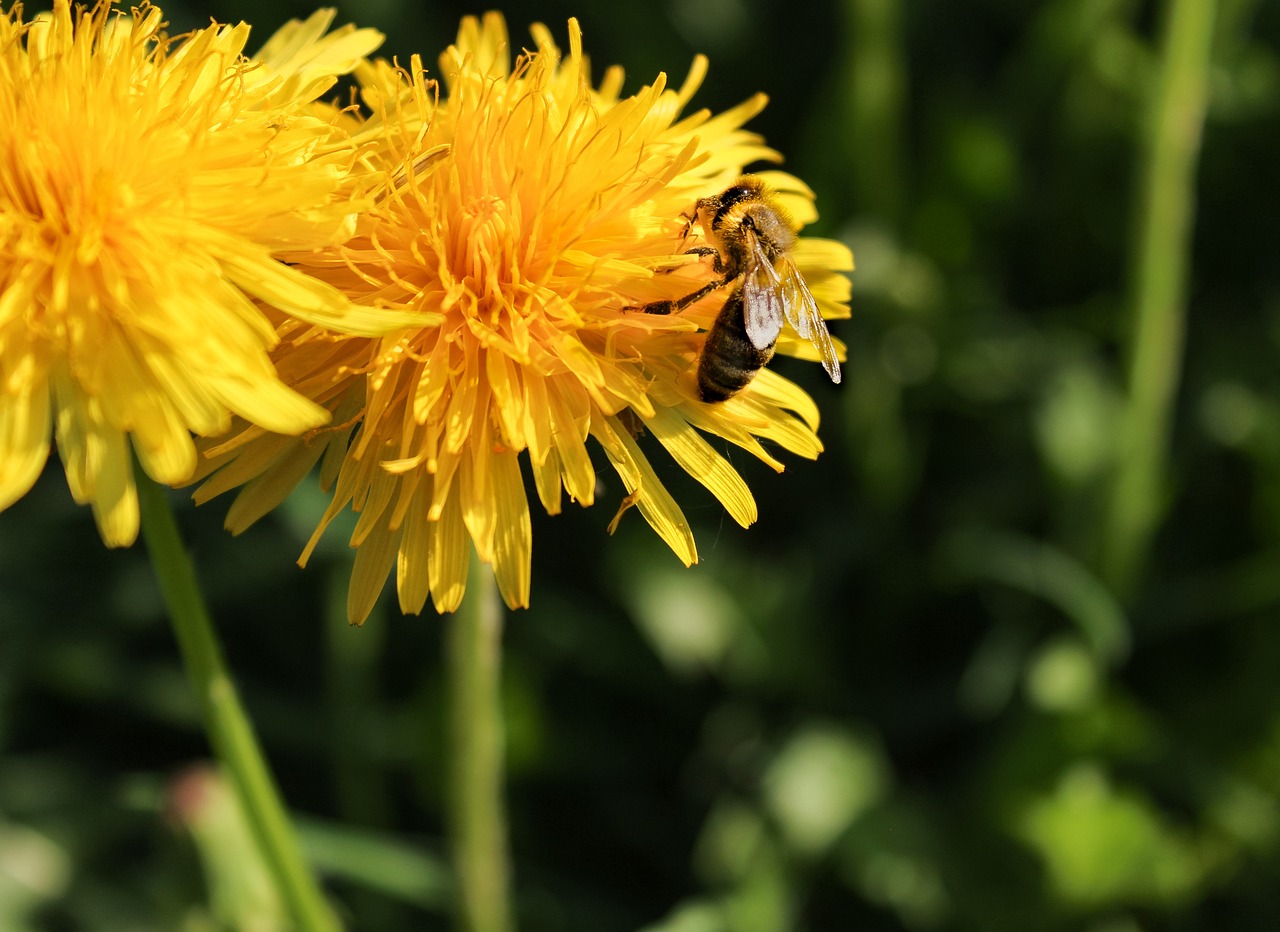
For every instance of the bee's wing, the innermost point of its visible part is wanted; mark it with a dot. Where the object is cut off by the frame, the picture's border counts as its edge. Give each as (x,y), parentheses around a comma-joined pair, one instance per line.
(761,297)
(801,310)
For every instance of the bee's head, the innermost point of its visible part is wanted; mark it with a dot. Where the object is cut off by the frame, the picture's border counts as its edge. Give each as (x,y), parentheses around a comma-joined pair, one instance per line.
(772,227)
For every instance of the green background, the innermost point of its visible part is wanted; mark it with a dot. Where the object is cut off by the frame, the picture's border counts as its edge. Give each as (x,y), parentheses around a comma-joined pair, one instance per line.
(908,698)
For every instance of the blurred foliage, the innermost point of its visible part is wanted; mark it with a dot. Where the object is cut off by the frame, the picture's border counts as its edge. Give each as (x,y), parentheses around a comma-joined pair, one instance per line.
(905,699)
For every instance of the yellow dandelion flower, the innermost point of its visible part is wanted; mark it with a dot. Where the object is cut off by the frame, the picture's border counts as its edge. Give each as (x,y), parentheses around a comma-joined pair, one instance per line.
(536,213)
(145,183)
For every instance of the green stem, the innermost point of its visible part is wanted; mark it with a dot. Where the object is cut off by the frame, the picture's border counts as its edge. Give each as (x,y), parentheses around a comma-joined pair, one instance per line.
(1159,282)
(477,812)
(225,721)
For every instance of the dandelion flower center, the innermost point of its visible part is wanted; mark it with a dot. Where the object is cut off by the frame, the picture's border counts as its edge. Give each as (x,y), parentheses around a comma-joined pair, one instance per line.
(485,233)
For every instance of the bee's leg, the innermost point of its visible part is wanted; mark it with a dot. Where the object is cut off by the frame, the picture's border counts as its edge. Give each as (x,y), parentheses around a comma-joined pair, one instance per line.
(679,304)
(717,262)
(697,250)
(688,226)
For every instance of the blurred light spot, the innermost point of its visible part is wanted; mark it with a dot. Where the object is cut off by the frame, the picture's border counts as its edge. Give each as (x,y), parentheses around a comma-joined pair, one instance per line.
(821,781)
(32,863)
(1076,423)
(877,254)
(908,354)
(710,24)
(983,159)
(908,280)
(1120,60)
(893,858)
(689,620)
(1063,677)
(917,285)
(994,368)
(1247,814)
(991,677)
(1102,847)
(1228,413)
(730,839)
(911,886)
(381,13)
(1248,86)
(695,916)
(1116,924)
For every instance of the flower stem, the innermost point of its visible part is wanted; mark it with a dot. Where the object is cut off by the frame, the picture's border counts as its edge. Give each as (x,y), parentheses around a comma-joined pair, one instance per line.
(477,817)
(226,724)
(1159,282)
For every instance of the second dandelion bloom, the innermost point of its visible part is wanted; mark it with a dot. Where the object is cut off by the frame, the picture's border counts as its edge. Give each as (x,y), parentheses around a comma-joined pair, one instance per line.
(146,182)
(535,212)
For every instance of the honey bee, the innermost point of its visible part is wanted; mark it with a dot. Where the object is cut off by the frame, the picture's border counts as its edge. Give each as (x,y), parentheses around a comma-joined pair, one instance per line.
(752,238)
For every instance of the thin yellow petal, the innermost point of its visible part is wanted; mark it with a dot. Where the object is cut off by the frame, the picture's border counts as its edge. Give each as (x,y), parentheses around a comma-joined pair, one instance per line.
(98,465)
(649,495)
(513,540)
(24,437)
(372,566)
(115,501)
(450,553)
(413,586)
(268,489)
(829,255)
(312,300)
(774,390)
(698,459)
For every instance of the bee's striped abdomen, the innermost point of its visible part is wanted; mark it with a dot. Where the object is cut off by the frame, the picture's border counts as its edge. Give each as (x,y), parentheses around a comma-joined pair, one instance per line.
(729,361)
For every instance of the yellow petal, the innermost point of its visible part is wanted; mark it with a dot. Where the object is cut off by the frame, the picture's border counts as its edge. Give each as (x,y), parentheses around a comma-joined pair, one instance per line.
(269,489)
(649,495)
(698,459)
(373,563)
(24,435)
(413,585)
(513,540)
(449,556)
